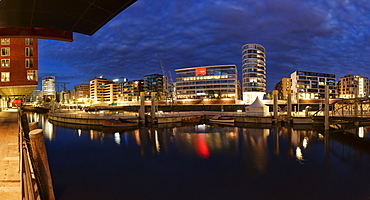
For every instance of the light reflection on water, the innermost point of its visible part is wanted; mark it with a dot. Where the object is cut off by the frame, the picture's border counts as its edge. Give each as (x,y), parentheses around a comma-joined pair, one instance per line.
(205,161)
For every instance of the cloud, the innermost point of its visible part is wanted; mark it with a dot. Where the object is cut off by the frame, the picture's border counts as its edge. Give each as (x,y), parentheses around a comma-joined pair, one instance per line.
(329,37)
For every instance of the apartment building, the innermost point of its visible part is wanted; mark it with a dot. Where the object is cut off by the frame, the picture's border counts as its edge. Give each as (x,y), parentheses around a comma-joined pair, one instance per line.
(82,91)
(351,86)
(311,85)
(103,90)
(283,87)
(132,89)
(155,83)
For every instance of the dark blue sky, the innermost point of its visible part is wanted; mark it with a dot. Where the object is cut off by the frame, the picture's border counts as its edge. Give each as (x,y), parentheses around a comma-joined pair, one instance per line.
(331,36)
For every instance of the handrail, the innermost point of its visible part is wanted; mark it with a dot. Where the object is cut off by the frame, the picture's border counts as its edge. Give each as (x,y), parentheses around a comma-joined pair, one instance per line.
(28,179)
(28,189)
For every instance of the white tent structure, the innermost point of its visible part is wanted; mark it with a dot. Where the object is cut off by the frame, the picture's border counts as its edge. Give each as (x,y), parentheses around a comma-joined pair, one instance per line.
(257,108)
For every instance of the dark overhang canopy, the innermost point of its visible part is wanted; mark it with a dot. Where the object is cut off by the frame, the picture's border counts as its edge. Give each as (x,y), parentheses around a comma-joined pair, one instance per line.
(56,19)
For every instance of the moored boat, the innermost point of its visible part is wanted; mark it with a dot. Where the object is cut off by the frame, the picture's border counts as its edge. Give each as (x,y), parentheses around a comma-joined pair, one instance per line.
(119,123)
(222,119)
(191,120)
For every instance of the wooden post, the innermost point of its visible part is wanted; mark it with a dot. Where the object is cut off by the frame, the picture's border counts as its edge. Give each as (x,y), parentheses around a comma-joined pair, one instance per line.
(33,125)
(275,106)
(41,164)
(289,110)
(142,106)
(25,125)
(356,103)
(152,110)
(326,111)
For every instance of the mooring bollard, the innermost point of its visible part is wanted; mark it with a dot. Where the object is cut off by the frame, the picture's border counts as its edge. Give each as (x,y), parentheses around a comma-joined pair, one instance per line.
(33,125)
(41,164)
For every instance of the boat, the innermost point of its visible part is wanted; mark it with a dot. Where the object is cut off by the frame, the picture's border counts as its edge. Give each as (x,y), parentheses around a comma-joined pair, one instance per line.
(191,120)
(222,119)
(118,123)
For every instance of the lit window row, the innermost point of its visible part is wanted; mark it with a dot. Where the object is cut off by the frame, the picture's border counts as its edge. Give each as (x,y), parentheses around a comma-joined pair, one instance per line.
(5,63)
(31,76)
(6,41)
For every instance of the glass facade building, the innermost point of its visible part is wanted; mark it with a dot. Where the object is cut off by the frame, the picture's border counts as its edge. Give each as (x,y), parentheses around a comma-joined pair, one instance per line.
(219,81)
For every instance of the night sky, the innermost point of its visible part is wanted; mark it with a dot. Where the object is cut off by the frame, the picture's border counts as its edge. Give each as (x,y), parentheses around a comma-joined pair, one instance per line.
(331,36)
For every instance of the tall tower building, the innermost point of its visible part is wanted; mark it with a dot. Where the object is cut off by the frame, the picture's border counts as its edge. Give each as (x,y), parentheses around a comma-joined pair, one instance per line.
(48,87)
(19,66)
(253,72)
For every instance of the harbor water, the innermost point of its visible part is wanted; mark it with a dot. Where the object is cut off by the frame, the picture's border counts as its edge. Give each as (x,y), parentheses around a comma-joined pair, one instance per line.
(207,161)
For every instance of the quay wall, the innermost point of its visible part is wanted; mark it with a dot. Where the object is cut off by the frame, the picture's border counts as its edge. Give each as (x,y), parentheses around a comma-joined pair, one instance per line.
(201,107)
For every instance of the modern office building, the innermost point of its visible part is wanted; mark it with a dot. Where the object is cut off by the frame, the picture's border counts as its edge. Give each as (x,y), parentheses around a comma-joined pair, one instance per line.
(311,85)
(253,72)
(132,89)
(283,87)
(103,90)
(19,66)
(155,83)
(207,82)
(48,87)
(351,86)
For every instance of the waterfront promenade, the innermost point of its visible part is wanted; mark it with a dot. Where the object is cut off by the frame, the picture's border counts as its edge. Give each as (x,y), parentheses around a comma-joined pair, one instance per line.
(10,183)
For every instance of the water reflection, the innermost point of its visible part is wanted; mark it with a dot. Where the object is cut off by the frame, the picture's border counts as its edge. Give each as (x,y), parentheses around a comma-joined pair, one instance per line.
(200,154)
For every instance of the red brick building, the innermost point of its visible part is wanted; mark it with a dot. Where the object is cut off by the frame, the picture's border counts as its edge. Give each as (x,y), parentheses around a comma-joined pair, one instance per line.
(19,66)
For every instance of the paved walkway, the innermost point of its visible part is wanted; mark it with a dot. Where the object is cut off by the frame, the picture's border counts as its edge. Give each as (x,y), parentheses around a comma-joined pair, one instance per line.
(10,184)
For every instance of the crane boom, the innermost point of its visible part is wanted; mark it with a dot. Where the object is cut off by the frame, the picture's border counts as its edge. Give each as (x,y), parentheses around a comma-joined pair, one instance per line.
(161,64)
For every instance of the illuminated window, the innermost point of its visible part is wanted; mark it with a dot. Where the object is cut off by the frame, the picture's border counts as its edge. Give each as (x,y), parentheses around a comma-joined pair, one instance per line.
(29,41)
(5,63)
(5,51)
(29,51)
(5,41)
(29,63)
(32,75)
(5,76)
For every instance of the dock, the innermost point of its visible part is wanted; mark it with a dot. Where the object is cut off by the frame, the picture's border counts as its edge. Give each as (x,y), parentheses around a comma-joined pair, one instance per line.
(10,176)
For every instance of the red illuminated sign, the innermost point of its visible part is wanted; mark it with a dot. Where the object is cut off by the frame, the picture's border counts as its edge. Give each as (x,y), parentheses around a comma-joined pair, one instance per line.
(200,71)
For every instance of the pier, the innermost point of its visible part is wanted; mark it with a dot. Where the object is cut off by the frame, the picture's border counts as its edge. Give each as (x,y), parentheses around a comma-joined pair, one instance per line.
(10,176)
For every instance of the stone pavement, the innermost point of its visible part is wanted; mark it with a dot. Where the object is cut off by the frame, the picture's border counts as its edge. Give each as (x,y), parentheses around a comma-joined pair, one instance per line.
(10,184)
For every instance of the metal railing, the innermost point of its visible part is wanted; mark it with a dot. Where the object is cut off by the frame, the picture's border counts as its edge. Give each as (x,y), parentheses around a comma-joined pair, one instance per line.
(29,186)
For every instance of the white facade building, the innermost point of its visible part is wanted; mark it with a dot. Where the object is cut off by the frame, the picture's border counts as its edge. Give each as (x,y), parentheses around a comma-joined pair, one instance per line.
(253,72)
(48,87)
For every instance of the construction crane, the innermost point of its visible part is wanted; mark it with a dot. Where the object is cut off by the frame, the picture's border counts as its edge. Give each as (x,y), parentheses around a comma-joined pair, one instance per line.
(165,79)
(161,64)
(63,85)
